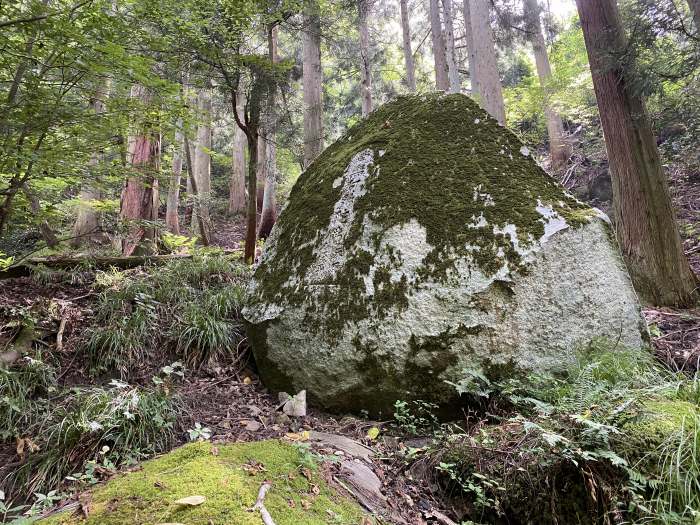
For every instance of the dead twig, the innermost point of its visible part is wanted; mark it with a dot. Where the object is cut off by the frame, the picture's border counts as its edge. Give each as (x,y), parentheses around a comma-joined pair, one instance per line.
(59,335)
(260,505)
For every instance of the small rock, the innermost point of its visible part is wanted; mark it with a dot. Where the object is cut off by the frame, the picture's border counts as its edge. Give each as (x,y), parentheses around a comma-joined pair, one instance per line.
(252,426)
(296,405)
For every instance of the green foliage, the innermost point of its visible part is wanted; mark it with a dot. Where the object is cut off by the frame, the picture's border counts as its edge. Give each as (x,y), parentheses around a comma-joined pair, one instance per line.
(187,309)
(199,433)
(416,417)
(5,261)
(20,389)
(177,243)
(58,432)
(617,434)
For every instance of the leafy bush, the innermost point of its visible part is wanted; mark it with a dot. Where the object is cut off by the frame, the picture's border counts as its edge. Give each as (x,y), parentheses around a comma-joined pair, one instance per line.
(187,309)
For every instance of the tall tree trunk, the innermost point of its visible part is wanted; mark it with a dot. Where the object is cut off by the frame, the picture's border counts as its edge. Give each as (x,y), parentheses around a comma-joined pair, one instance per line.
(188,212)
(312,79)
(695,9)
(268,215)
(452,71)
(269,209)
(251,215)
(172,216)
(442,81)
(469,41)
(559,148)
(407,52)
(45,229)
(261,171)
(236,195)
(190,217)
(363,7)
(88,221)
(258,90)
(193,189)
(645,221)
(140,191)
(488,83)
(202,163)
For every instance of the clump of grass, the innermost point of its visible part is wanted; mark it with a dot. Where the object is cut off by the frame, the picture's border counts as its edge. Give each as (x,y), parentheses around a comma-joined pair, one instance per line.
(21,389)
(113,425)
(188,309)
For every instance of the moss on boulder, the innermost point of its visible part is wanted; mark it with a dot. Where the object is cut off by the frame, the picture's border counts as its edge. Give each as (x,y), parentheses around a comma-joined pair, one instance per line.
(423,242)
(229,477)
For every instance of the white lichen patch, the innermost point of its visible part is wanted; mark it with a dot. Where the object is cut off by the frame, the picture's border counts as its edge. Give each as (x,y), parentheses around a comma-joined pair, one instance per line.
(525,151)
(403,249)
(511,230)
(553,222)
(478,222)
(330,253)
(483,196)
(601,214)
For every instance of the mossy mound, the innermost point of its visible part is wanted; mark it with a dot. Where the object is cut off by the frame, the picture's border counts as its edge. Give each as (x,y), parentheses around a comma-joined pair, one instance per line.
(659,423)
(420,244)
(229,477)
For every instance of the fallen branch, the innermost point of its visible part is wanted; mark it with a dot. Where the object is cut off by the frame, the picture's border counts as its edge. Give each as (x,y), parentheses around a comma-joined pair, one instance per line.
(260,505)
(360,498)
(132,261)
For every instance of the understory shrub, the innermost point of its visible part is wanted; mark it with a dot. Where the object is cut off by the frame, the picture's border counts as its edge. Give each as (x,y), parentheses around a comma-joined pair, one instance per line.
(187,309)
(616,440)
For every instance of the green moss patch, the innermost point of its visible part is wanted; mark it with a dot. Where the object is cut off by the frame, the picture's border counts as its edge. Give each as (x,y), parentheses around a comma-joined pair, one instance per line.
(229,477)
(661,420)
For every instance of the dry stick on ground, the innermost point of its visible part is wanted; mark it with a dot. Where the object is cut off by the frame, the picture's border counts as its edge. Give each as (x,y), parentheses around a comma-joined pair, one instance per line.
(260,505)
(59,335)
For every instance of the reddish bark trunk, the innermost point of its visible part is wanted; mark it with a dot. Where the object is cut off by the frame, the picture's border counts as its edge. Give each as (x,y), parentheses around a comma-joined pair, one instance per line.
(139,196)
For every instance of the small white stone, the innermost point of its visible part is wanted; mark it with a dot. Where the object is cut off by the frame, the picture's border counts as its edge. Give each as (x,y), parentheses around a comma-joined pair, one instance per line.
(524,151)
(476,121)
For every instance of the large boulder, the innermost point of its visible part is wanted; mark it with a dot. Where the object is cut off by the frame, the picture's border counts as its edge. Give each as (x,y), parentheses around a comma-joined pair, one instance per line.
(425,245)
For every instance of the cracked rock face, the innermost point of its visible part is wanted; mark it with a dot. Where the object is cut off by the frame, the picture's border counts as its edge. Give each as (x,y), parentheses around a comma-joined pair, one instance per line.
(424,246)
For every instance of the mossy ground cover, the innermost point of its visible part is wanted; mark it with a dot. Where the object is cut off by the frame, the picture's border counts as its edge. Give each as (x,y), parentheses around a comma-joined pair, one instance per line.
(229,477)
